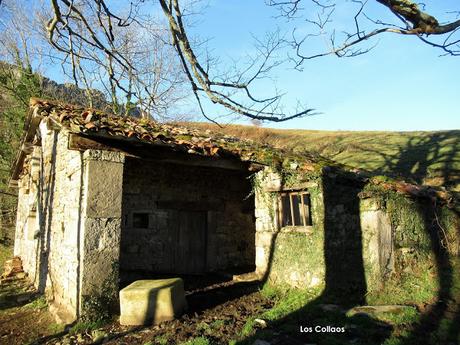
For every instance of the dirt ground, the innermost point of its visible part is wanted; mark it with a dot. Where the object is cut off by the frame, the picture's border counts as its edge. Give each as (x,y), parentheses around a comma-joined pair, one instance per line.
(23,313)
(217,312)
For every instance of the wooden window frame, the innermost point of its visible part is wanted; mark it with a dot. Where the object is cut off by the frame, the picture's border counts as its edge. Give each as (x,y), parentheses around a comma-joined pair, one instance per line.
(304,209)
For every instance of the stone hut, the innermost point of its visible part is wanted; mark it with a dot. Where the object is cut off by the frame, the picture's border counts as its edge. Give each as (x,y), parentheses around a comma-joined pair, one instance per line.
(105,200)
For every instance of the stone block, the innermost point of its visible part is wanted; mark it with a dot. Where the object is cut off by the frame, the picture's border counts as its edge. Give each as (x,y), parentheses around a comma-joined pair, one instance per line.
(264,239)
(104,189)
(370,204)
(261,259)
(147,302)
(102,155)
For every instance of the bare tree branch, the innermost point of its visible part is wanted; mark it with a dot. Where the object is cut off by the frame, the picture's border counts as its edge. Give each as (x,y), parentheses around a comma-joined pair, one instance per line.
(198,75)
(415,22)
(98,28)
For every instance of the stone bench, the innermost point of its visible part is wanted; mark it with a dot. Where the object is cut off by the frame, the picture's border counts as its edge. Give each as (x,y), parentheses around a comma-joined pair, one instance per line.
(147,302)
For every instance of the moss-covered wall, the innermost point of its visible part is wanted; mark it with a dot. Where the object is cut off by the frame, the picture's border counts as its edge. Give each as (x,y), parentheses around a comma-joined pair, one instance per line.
(367,244)
(298,259)
(290,255)
(425,243)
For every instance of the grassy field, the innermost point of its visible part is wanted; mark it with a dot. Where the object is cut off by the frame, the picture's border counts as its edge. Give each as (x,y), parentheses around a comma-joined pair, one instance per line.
(423,157)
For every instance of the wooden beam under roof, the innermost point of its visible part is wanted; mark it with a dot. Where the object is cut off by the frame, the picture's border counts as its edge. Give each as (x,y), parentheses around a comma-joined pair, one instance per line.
(153,152)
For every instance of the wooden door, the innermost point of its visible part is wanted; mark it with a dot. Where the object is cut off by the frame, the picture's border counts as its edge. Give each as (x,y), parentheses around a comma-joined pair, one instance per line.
(190,246)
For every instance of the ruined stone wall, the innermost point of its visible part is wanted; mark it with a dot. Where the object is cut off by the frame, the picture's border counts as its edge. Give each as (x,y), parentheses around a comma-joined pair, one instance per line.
(411,246)
(162,190)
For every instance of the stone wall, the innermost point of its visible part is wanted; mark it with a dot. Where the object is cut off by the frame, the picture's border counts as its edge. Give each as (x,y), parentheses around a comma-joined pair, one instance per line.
(69,221)
(49,243)
(165,192)
(290,255)
(77,229)
(101,233)
(419,242)
(378,246)
(364,242)
(27,220)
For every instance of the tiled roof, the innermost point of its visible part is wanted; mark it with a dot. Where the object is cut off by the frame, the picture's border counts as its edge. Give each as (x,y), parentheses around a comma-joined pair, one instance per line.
(206,143)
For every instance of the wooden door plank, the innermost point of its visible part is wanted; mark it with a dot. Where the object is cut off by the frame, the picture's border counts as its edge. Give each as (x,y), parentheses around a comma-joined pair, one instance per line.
(190,255)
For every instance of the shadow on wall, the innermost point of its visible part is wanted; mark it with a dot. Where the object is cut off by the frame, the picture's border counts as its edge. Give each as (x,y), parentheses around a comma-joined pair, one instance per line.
(346,284)
(45,201)
(440,323)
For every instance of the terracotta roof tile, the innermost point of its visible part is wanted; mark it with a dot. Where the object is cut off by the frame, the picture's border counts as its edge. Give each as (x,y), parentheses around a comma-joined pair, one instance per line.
(91,121)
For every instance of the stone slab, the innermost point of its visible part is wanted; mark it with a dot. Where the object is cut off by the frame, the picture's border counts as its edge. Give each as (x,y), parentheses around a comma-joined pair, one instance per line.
(147,302)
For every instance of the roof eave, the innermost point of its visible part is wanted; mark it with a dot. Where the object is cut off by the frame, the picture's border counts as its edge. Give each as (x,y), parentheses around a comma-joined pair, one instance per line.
(31,124)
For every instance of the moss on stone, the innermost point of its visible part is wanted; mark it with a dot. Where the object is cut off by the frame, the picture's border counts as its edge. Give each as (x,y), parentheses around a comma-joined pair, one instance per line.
(298,258)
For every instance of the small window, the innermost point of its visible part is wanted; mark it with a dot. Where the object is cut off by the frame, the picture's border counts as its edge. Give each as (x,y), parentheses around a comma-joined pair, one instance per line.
(294,209)
(141,220)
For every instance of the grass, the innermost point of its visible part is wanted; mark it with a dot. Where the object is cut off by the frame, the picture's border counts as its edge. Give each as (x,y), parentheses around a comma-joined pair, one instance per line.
(81,327)
(287,301)
(417,287)
(293,307)
(38,303)
(406,316)
(55,328)
(161,340)
(422,157)
(197,341)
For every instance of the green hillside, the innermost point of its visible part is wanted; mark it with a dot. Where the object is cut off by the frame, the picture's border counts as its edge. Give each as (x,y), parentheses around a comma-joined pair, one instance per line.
(423,157)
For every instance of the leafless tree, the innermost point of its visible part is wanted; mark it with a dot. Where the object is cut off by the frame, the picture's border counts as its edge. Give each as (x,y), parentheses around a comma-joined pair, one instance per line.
(93,23)
(139,72)
(152,80)
(97,30)
(401,17)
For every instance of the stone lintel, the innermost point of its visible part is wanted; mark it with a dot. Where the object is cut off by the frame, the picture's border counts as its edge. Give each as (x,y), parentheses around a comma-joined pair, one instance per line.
(103,155)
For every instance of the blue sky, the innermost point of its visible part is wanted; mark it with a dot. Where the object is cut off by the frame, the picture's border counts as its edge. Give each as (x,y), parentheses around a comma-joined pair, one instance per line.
(401,85)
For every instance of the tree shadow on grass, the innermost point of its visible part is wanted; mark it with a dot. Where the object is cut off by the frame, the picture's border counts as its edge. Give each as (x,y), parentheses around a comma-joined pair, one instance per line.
(431,157)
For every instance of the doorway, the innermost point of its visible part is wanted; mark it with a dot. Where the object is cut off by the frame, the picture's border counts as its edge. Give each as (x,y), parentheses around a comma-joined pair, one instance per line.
(189,233)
